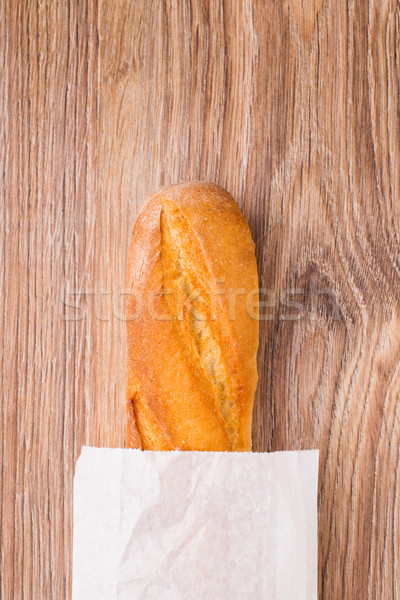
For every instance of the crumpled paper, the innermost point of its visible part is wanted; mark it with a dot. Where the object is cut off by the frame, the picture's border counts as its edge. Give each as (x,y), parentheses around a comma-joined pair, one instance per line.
(195,525)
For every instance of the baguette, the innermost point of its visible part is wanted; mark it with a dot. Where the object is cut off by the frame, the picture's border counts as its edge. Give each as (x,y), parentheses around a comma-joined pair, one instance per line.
(192,323)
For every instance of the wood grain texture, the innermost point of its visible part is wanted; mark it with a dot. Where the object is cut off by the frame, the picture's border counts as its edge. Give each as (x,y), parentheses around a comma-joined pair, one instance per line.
(292,106)
(48,143)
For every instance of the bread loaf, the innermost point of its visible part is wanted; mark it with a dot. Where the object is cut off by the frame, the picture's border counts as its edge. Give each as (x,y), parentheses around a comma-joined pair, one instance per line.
(192,322)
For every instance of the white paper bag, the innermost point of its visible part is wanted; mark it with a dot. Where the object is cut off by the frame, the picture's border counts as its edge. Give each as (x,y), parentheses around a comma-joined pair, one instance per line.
(195,525)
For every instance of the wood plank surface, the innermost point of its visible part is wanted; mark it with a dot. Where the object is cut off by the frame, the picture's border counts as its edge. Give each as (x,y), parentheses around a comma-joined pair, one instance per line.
(293,106)
(48,125)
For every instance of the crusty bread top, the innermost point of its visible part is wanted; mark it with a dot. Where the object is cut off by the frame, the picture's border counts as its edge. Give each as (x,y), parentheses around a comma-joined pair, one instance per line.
(192,322)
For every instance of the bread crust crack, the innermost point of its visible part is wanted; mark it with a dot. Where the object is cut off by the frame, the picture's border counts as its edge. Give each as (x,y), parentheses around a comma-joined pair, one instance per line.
(191,297)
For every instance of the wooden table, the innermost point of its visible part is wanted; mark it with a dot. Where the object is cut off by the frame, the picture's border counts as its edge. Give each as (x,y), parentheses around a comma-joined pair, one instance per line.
(293,106)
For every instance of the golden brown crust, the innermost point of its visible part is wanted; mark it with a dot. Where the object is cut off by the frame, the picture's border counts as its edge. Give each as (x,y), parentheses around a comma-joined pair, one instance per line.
(191,322)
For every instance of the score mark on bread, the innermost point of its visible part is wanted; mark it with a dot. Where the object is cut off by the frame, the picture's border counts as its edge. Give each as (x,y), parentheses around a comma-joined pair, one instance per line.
(198,331)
